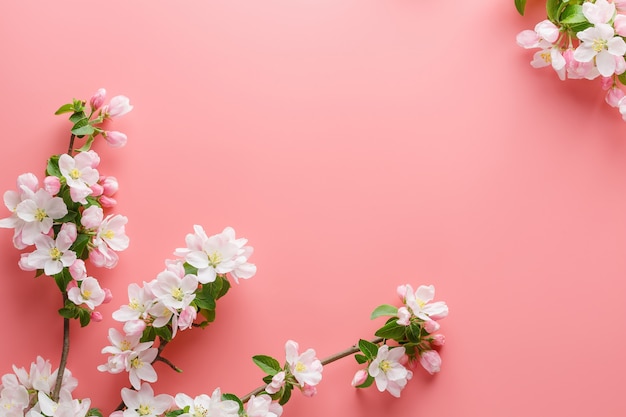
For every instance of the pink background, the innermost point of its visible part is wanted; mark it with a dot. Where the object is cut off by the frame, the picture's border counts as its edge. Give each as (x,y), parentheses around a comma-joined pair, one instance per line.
(358,144)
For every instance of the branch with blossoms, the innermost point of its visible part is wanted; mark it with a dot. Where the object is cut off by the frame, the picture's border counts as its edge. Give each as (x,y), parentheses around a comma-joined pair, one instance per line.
(66,223)
(582,39)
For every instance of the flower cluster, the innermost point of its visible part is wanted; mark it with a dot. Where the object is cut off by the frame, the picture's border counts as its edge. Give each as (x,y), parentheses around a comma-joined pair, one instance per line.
(582,39)
(413,328)
(171,302)
(67,222)
(29,393)
(64,217)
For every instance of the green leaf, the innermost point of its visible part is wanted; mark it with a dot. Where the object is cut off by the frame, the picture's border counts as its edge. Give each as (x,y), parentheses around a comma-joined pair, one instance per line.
(210,316)
(53,166)
(70,216)
(94,412)
(77,116)
(174,413)
(384,310)
(286,395)
(552,9)
(63,278)
(89,140)
(267,364)
(368,348)
(67,313)
(367,383)
(520,5)
(391,330)
(190,269)
(66,108)
(360,358)
(84,316)
(413,333)
(622,78)
(163,332)
(573,14)
(82,128)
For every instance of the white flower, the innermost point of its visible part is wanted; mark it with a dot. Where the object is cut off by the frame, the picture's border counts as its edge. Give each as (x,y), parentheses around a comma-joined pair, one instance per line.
(175,288)
(79,174)
(139,367)
(53,255)
(420,302)
(600,42)
(218,254)
(306,368)
(389,374)
(140,299)
(599,12)
(89,293)
(262,406)
(205,406)
(143,402)
(38,213)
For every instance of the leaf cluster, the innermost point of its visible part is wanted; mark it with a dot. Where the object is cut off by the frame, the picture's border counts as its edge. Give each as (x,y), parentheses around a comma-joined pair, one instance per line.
(82,123)
(567,14)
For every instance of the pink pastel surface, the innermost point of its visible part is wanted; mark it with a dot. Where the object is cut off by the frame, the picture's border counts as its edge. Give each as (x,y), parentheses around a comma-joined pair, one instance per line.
(358,145)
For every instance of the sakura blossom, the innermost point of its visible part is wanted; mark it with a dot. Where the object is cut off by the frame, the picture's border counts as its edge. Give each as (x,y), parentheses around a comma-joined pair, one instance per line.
(79,174)
(263,406)
(52,255)
(139,367)
(431,361)
(38,214)
(305,367)
(600,43)
(88,293)
(143,402)
(419,302)
(204,405)
(218,254)
(388,372)
(117,107)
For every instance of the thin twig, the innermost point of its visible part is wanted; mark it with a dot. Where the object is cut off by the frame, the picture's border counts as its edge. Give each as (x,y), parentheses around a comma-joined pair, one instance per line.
(332,358)
(64,354)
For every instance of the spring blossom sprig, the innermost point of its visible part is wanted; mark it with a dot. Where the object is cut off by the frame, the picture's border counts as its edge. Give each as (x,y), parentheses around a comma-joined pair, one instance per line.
(64,226)
(582,39)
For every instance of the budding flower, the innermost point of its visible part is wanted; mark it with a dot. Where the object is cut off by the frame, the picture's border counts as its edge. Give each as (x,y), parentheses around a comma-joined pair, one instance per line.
(115,139)
(118,106)
(97,100)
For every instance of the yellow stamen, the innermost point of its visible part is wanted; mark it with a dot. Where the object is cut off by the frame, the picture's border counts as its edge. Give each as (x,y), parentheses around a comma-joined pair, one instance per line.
(40,214)
(74,173)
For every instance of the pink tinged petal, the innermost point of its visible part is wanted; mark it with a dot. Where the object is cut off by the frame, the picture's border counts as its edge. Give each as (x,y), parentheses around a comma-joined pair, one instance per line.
(291,352)
(605,63)
(92,217)
(584,53)
(620,24)
(547,30)
(115,139)
(558,62)
(198,259)
(599,12)
(425,293)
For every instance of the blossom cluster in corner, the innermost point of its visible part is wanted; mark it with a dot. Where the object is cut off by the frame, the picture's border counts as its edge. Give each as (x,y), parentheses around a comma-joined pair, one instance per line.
(582,39)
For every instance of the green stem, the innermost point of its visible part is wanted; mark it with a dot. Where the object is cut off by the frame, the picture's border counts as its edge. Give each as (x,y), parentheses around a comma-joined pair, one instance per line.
(330,359)
(64,354)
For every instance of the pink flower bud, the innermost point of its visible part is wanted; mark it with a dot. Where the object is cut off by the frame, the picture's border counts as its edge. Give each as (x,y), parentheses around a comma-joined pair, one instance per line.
(359,378)
(96,316)
(613,96)
(96,190)
(431,361)
(134,327)
(52,184)
(118,106)
(97,100)
(404,316)
(108,296)
(95,158)
(620,24)
(606,82)
(70,231)
(109,184)
(401,291)
(186,317)
(308,390)
(78,271)
(115,139)
(438,339)
(107,202)
(431,326)
(23,263)
(278,381)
